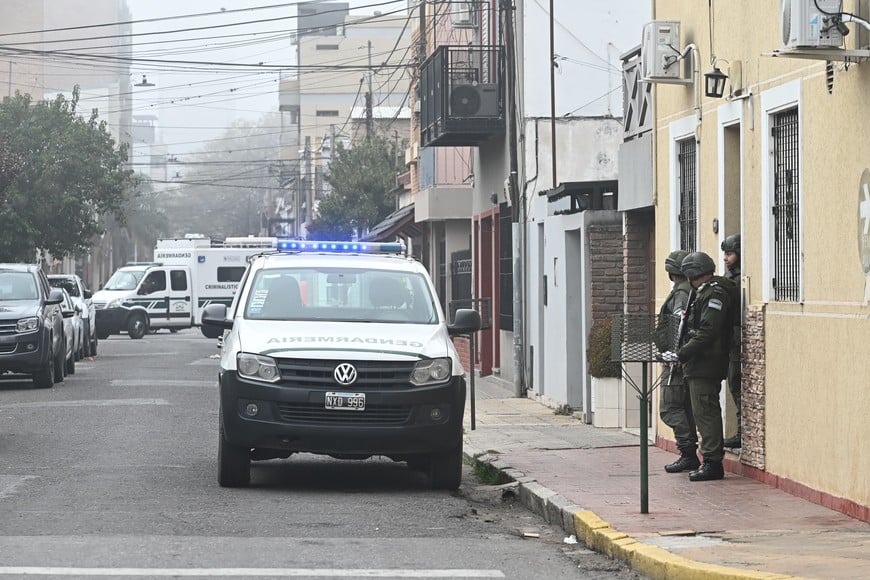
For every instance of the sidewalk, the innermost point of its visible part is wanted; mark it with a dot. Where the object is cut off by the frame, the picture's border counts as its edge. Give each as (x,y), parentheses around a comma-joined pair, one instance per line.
(588,481)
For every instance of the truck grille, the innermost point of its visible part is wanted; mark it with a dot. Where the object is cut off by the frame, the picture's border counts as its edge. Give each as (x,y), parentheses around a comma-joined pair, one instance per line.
(7,327)
(318,374)
(314,413)
(8,348)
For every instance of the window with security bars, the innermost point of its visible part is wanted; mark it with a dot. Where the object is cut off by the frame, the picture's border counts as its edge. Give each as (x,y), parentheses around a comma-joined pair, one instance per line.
(506,269)
(786,207)
(688,217)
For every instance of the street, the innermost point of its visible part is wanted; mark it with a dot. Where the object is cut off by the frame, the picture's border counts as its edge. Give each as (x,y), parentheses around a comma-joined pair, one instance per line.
(112,473)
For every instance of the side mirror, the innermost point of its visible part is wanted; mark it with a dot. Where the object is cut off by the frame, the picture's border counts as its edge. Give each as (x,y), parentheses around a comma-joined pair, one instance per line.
(87,294)
(466,321)
(55,296)
(216,315)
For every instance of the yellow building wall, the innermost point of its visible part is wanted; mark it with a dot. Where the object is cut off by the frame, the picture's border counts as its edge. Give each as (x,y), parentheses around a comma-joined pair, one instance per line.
(817,351)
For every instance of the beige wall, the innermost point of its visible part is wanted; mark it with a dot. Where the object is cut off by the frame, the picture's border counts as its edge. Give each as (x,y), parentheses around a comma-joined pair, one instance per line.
(818,351)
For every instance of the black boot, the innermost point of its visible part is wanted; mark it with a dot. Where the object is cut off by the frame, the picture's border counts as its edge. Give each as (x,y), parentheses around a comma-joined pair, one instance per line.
(687,462)
(732,442)
(708,472)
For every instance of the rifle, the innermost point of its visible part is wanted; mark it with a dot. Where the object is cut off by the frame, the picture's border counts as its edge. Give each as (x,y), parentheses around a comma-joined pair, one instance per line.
(681,333)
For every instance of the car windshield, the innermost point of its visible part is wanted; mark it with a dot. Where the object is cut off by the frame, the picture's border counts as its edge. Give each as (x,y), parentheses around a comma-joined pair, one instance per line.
(18,286)
(124,280)
(66,283)
(341,295)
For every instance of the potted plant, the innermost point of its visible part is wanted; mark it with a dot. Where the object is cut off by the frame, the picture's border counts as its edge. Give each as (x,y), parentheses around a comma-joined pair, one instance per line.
(605,374)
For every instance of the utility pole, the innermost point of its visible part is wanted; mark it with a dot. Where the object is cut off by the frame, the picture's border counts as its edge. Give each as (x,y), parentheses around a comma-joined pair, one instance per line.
(553,93)
(517,203)
(369,96)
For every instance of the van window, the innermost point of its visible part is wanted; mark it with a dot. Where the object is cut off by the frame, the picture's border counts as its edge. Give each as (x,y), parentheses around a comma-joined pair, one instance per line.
(230,273)
(178,280)
(154,282)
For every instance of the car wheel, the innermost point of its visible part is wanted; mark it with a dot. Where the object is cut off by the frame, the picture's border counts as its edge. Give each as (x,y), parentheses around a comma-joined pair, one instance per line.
(94,346)
(137,326)
(70,366)
(445,469)
(86,343)
(60,363)
(44,379)
(234,463)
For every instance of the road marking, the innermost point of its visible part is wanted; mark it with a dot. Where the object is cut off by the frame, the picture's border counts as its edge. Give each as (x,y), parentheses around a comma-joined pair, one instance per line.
(9,483)
(249,572)
(87,403)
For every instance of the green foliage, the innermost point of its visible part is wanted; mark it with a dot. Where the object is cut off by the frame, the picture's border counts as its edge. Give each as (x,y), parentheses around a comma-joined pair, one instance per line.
(599,352)
(563,410)
(361,178)
(69,175)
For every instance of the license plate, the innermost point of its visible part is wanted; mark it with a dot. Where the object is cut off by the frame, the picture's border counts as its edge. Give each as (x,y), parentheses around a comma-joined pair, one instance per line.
(346,401)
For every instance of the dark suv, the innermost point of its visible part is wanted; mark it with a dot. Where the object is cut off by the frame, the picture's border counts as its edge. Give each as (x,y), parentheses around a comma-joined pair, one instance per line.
(31,325)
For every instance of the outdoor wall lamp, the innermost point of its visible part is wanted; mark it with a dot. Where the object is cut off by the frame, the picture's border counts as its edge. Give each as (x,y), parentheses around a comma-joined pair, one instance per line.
(714,83)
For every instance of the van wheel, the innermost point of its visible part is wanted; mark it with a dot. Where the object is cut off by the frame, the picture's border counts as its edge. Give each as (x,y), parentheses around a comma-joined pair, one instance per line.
(137,326)
(234,463)
(445,469)
(44,379)
(60,363)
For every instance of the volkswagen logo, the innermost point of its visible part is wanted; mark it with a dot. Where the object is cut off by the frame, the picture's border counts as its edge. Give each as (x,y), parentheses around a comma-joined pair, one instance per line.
(345,374)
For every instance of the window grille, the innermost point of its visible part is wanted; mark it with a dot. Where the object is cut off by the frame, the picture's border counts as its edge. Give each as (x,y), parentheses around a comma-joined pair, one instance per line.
(506,269)
(786,207)
(688,216)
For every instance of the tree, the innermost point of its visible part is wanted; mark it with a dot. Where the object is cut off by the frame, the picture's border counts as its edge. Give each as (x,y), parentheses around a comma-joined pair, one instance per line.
(361,178)
(71,174)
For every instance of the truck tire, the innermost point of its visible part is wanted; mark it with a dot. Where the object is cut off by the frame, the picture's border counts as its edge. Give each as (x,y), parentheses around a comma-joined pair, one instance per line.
(234,463)
(60,363)
(137,326)
(445,469)
(44,379)
(69,366)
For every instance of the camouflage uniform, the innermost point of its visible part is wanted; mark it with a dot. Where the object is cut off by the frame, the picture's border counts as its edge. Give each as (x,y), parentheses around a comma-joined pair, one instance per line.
(675,405)
(704,353)
(735,374)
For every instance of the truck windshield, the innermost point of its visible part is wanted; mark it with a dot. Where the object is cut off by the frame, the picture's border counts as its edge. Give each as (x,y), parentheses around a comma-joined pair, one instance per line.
(341,295)
(124,280)
(66,283)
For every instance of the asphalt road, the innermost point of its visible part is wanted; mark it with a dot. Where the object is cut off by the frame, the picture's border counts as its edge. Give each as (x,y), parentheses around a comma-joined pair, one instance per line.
(112,474)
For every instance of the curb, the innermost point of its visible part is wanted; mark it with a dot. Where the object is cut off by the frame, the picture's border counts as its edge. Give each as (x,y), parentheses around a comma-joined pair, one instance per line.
(652,561)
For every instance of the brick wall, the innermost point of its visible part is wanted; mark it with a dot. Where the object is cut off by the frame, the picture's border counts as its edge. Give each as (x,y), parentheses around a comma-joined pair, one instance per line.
(638,231)
(753,400)
(463,349)
(606,270)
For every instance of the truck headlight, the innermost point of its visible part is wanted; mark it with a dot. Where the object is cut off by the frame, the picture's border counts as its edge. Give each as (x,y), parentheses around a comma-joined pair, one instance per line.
(27,325)
(114,303)
(431,372)
(257,367)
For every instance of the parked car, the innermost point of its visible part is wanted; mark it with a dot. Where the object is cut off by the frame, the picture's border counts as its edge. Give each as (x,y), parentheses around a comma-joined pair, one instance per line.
(73,330)
(32,339)
(81,296)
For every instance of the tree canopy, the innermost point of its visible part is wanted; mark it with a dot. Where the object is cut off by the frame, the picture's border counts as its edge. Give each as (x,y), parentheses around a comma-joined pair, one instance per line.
(361,178)
(61,174)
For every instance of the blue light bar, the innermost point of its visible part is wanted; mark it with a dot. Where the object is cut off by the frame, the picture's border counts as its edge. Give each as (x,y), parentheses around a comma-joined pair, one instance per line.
(341,247)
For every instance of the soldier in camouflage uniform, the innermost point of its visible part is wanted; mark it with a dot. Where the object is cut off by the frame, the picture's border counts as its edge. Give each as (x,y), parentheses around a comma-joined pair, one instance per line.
(731,248)
(703,352)
(675,405)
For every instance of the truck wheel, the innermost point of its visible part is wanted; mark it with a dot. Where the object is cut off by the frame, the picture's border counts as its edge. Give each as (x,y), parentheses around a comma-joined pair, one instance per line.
(44,379)
(445,469)
(60,363)
(103,335)
(69,366)
(137,326)
(234,463)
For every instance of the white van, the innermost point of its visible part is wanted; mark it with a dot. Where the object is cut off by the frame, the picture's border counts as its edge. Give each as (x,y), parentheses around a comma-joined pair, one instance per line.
(342,349)
(187,275)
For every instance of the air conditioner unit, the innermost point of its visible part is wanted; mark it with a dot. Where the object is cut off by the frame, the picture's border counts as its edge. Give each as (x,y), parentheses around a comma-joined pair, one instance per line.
(810,24)
(474,100)
(660,51)
(463,14)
